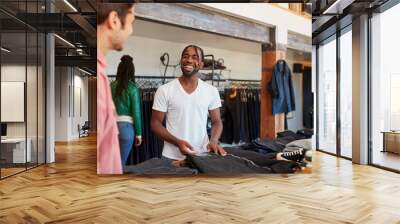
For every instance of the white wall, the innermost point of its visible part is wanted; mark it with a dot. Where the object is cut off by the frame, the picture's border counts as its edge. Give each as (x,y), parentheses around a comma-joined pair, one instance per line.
(33,127)
(267,13)
(16,73)
(68,83)
(150,40)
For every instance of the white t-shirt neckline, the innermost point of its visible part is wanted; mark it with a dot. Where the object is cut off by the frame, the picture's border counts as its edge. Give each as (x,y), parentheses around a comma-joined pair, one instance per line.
(183,89)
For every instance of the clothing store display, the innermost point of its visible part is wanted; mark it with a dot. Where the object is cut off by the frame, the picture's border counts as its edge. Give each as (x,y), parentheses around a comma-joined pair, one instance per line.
(186,114)
(263,160)
(281,89)
(108,150)
(212,164)
(238,162)
(126,139)
(128,105)
(151,146)
(159,166)
(241,114)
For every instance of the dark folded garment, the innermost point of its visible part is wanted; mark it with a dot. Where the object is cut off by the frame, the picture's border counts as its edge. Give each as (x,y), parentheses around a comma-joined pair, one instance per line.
(213,164)
(240,162)
(290,133)
(265,160)
(307,133)
(157,166)
(269,145)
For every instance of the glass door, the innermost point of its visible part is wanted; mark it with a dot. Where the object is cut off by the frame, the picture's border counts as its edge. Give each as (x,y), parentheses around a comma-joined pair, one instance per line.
(327,96)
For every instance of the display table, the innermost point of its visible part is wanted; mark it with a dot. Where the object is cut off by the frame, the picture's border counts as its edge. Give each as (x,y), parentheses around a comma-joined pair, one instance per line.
(391,141)
(13,150)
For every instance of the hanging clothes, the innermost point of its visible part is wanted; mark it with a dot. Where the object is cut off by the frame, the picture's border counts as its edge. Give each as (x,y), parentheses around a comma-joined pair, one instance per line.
(151,146)
(281,89)
(241,114)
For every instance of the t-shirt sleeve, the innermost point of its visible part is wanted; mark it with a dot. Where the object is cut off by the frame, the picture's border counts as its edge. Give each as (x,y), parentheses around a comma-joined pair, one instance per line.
(160,100)
(215,100)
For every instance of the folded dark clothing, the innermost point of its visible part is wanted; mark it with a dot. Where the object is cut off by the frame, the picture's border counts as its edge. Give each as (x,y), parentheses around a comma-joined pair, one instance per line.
(240,161)
(269,144)
(159,166)
(213,164)
(307,133)
(291,134)
(265,160)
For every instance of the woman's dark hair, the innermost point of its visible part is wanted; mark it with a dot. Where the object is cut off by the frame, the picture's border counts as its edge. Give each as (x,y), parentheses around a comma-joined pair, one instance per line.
(125,73)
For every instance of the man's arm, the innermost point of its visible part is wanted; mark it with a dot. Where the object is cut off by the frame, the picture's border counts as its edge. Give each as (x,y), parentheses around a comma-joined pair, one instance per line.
(216,130)
(158,128)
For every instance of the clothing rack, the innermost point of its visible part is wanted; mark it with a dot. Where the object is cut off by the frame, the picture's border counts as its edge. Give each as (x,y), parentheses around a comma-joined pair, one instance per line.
(174,77)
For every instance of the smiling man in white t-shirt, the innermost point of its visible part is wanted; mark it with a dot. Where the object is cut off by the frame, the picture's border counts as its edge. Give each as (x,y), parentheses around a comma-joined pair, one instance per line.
(186,103)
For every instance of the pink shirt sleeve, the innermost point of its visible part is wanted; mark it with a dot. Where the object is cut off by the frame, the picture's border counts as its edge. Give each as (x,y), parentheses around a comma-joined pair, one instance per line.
(108,151)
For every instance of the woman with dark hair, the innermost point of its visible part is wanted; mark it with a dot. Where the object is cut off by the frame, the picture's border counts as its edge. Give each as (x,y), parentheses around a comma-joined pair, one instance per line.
(126,98)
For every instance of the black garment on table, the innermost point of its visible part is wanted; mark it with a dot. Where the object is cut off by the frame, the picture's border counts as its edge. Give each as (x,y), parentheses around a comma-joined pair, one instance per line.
(213,164)
(159,166)
(240,162)
(306,133)
(281,89)
(291,134)
(266,146)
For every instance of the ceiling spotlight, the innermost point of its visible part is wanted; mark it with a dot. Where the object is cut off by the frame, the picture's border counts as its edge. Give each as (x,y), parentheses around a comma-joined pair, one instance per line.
(64,40)
(5,50)
(70,5)
(84,71)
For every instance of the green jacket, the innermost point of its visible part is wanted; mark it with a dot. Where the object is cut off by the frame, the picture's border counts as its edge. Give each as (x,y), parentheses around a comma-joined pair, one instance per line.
(128,104)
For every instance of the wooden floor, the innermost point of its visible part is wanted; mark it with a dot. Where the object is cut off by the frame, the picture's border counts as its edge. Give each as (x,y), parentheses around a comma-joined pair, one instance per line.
(69,191)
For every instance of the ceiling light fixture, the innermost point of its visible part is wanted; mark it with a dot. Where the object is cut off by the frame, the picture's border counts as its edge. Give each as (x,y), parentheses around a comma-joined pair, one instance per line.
(5,50)
(84,71)
(64,40)
(70,5)
(338,6)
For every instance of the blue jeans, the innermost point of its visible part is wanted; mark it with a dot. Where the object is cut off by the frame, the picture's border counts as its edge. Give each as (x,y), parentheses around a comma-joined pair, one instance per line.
(126,138)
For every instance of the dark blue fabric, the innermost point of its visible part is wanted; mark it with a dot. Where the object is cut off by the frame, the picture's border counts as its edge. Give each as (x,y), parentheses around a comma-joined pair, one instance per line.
(126,138)
(281,89)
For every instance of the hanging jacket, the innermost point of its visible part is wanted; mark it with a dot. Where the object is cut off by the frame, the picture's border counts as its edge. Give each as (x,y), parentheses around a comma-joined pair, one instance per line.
(281,89)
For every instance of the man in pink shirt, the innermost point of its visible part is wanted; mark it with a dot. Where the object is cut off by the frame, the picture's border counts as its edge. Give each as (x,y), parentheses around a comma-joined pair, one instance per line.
(114,26)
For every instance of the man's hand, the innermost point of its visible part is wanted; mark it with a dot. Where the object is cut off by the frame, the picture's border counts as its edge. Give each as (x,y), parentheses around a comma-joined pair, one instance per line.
(185,147)
(214,147)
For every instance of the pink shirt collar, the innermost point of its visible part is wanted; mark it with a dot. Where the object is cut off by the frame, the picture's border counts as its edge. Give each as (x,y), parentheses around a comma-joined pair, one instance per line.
(101,59)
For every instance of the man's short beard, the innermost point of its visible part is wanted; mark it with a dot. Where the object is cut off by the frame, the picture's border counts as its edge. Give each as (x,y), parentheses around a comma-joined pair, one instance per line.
(190,74)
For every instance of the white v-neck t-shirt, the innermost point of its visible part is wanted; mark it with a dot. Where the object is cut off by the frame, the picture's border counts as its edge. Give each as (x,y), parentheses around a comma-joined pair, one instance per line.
(186,114)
